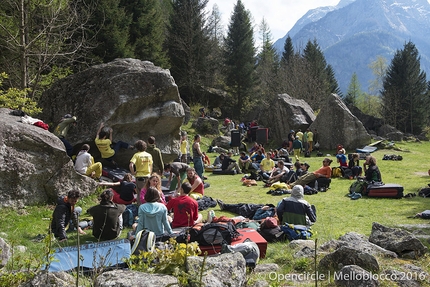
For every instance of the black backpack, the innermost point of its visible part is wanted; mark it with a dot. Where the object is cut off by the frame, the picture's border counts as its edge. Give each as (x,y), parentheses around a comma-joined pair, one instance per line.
(424,192)
(213,233)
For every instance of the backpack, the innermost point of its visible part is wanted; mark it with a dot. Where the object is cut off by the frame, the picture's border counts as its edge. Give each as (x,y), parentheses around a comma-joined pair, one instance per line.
(336,172)
(296,231)
(347,173)
(424,192)
(213,233)
(424,215)
(359,186)
(144,242)
(307,154)
(129,214)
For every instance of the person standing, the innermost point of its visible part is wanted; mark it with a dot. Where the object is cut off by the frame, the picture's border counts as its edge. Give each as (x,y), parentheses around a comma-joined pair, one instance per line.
(197,156)
(185,209)
(85,164)
(107,217)
(184,147)
(62,129)
(157,158)
(104,143)
(140,166)
(66,214)
(305,141)
(297,146)
(310,139)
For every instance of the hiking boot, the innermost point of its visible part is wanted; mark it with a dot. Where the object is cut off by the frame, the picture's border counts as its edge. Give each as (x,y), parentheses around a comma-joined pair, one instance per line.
(356,196)
(220,204)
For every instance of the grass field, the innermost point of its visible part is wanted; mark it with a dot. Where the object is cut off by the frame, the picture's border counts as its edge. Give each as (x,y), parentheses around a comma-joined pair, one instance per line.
(337,214)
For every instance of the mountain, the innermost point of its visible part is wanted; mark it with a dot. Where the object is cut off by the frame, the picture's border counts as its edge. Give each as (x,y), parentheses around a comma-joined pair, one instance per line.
(355,32)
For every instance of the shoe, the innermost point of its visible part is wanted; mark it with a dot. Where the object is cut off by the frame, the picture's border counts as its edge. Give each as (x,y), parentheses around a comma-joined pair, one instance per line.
(204,178)
(211,215)
(410,195)
(350,194)
(265,181)
(220,204)
(356,196)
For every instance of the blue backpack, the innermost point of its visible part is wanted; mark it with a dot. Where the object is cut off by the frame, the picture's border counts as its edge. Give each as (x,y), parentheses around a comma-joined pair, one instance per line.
(296,231)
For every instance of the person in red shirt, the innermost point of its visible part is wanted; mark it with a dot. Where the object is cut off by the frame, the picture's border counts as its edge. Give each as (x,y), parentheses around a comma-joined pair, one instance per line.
(185,209)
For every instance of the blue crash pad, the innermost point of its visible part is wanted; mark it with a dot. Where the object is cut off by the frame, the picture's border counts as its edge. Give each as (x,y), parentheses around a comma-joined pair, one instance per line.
(366,149)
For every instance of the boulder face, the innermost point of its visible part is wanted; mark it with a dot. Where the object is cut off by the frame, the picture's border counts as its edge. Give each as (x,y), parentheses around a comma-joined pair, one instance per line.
(287,114)
(135,98)
(337,125)
(34,166)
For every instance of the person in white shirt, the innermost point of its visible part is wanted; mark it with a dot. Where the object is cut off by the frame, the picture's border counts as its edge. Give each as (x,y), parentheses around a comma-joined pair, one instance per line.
(85,164)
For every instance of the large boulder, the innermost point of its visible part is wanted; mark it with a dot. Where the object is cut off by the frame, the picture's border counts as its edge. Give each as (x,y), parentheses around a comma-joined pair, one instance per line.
(135,98)
(206,126)
(34,166)
(337,125)
(285,114)
(128,278)
(348,256)
(400,241)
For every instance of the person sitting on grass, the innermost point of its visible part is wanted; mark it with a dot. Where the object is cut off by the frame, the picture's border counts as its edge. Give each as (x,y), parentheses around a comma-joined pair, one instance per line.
(153,181)
(266,166)
(244,161)
(185,209)
(107,217)
(354,165)
(323,174)
(127,190)
(296,208)
(197,185)
(153,214)
(277,173)
(66,214)
(229,164)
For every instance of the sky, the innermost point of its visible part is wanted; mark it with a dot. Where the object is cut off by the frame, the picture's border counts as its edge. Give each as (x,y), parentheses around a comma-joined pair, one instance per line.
(280,15)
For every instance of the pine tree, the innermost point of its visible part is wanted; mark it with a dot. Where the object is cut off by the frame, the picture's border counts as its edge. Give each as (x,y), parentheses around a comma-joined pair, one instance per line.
(214,77)
(354,91)
(240,57)
(267,64)
(288,53)
(111,29)
(404,94)
(146,31)
(188,46)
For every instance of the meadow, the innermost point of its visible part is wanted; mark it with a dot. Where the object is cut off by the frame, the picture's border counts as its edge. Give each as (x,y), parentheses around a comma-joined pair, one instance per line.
(337,214)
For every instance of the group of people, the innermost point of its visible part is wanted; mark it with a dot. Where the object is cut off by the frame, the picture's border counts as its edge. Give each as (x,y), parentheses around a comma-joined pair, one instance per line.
(142,185)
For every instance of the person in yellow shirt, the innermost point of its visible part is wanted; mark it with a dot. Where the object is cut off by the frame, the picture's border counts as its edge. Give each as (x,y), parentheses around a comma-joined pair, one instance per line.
(104,143)
(266,166)
(184,147)
(141,166)
(310,139)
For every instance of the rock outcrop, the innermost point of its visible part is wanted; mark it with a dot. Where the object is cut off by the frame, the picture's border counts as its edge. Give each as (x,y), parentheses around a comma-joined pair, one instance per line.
(135,98)
(337,125)
(287,113)
(34,166)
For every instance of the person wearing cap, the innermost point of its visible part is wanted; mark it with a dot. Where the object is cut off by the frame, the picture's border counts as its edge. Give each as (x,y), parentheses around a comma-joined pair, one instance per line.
(323,173)
(295,209)
(298,147)
(61,130)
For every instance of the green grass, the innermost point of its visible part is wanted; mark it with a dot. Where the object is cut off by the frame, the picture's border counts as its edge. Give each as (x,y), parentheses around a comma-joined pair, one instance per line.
(337,214)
